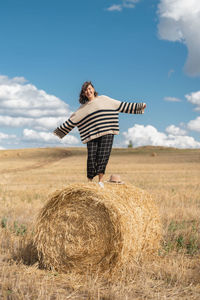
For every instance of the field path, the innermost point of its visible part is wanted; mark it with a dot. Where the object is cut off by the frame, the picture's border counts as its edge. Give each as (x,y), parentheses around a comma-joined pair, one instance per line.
(43,159)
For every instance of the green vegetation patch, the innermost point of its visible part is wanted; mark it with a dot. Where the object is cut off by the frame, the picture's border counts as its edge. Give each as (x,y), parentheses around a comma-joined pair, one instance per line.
(16,227)
(182,236)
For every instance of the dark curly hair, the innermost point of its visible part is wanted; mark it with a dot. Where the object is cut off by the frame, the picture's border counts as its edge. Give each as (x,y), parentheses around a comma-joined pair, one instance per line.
(82,98)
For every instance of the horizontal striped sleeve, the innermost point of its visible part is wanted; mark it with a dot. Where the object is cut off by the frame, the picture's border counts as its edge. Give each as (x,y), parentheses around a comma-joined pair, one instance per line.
(131,108)
(64,129)
(58,132)
(140,108)
(135,108)
(122,109)
(127,108)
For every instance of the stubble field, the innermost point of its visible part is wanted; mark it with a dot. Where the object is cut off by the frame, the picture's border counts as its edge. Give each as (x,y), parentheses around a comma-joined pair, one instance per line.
(172,176)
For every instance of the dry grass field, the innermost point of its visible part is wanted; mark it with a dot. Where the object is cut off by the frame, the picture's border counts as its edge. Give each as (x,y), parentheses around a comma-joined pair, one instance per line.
(171,176)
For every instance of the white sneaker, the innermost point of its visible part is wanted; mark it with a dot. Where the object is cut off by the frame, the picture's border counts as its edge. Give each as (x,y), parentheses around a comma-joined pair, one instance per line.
(101,184)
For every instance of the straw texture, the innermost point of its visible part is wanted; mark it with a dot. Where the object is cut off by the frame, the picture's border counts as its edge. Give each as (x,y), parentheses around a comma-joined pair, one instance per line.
(86,228)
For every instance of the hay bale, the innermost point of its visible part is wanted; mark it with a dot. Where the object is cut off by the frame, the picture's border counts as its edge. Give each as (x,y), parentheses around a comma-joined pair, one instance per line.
(84,227)
(154,154)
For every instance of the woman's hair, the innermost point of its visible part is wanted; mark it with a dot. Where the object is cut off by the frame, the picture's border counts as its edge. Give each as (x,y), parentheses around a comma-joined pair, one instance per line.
(82,98)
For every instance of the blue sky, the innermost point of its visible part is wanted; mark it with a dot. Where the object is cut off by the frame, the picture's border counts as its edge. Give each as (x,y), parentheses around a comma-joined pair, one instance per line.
(132,50)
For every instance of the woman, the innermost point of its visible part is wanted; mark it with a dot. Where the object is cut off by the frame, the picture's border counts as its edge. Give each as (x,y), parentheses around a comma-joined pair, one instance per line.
(98,121)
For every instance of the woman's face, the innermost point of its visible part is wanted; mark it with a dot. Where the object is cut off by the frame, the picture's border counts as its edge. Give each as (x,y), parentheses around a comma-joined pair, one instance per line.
(89,93)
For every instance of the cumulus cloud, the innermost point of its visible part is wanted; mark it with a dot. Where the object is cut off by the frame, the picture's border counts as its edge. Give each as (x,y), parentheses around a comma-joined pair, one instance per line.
(23,100)
(172,99)
(23,105)
(180,21)
(4,136)
(7,139)
(9,81)
(194,124)
(124,4)
(45,123)
(194,98)
(174,130)
(30,135)
(148,135)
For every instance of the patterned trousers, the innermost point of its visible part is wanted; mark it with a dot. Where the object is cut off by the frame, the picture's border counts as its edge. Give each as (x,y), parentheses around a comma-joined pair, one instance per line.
(98,154)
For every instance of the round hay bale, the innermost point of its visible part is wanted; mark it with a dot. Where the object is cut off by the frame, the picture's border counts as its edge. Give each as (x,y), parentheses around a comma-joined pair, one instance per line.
(154,154)
(85,227)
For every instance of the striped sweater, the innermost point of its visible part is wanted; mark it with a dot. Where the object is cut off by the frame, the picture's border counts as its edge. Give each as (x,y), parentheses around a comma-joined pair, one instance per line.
(98,117)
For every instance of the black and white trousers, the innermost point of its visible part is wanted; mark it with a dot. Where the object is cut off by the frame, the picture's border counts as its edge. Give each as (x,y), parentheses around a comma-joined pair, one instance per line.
(99,151)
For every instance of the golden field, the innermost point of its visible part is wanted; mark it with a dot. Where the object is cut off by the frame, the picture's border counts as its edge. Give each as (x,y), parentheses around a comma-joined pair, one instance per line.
(171,176)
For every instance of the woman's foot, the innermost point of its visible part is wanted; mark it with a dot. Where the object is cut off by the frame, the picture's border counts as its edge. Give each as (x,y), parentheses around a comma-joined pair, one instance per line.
(101,184)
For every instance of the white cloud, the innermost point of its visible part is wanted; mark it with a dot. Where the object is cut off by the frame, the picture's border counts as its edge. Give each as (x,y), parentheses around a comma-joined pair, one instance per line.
(24,100)
(148,135)
(194,98)
(22,105)
(124,4)
(30,135)
(46,123)
(4,136)
(9,81)
(14,122)
(174,130)
(7,139)
(180,21)
(172,99)
(194,124)
(115,7)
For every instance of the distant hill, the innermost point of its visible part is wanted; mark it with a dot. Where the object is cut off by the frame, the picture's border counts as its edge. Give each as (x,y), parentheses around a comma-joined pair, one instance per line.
(58,152)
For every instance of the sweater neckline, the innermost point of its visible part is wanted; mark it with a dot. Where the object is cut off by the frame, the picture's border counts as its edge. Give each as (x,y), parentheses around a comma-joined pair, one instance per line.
(91,101)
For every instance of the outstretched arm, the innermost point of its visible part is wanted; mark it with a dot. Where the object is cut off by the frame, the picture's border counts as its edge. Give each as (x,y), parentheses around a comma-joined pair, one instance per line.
(132,108)
(64,129)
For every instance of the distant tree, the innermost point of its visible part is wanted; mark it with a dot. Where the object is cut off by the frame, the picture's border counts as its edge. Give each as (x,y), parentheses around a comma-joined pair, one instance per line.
(130,145)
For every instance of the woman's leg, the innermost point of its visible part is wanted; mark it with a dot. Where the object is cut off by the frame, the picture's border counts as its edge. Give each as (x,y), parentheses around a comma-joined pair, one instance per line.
(91,159)
(101,177)
(105,143)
